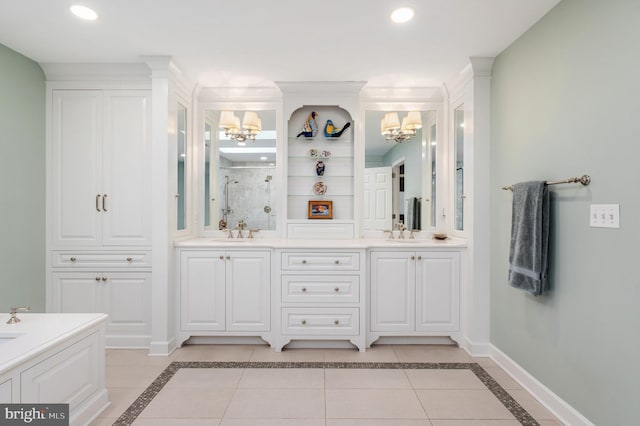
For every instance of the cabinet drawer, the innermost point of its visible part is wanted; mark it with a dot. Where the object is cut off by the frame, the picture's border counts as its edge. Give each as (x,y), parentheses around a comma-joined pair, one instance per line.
(321,288)
(124,259)
(321,261)
(321,321)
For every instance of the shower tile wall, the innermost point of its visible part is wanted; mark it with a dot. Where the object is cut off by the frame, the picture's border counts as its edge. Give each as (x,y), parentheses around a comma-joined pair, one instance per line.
(254,193)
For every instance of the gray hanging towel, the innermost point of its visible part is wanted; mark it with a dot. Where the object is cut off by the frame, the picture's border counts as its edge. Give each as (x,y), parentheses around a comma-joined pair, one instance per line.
(528,255)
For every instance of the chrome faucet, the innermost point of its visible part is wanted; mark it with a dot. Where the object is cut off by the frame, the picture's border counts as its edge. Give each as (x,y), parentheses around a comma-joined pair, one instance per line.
(390,234)
(413,231)
(252,231)
(14,319)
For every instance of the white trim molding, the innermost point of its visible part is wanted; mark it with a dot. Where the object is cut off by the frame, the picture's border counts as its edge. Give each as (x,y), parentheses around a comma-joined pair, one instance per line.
(545,396)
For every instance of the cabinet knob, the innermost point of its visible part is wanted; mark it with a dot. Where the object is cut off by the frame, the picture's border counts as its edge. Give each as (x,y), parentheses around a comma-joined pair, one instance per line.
(97,278)
(104,278)
(337,289)
(336,322)
(337,262)
(73,259)
(304,289)
(129,259)
(419,257)
(304,262)
(228,257)
(413,257)
(304,322)
(221,257)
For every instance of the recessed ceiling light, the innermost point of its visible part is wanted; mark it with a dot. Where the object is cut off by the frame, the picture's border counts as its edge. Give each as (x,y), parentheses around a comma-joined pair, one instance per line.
(402,15)
(83,12)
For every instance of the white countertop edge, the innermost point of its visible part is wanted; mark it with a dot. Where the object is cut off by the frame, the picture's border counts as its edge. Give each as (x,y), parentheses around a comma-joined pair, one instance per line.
(280,243)
(39,332)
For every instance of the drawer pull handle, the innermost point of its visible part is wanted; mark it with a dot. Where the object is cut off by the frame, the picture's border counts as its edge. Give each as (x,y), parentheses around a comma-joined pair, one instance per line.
(104,202)
(304,262)
(336,322)
(104,278)
(73,259)
(337,262)
(304,289)
(129,259)
(304,322)
(97,201)
(337,289)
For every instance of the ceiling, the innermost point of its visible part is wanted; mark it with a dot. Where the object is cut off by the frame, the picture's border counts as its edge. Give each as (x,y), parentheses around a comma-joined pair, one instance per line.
(244,43)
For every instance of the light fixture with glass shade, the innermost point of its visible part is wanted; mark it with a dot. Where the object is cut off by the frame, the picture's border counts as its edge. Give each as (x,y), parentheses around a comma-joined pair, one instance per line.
(391,129)
(250,128)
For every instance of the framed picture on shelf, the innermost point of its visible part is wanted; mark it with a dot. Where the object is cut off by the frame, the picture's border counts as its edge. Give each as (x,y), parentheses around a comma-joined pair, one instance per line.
(321,209)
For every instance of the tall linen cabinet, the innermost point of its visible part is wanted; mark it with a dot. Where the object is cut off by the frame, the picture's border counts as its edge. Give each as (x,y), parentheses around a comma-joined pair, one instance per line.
(98,208)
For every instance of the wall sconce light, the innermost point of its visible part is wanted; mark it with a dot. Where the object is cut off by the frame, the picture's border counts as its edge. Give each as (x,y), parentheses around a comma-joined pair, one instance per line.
(391,129)
(251,126)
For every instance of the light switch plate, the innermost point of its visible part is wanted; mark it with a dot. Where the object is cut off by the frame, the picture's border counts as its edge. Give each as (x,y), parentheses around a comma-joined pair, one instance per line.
(604,216)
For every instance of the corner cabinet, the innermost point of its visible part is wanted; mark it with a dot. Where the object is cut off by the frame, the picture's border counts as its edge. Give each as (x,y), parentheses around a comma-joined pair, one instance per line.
(99,196)
(225,293)
(414,293)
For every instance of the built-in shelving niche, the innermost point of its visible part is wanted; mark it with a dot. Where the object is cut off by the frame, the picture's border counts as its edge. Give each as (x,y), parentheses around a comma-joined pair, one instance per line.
(339,166)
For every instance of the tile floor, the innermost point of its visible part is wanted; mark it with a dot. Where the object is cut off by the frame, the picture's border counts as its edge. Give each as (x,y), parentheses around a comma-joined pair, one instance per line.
(313,396)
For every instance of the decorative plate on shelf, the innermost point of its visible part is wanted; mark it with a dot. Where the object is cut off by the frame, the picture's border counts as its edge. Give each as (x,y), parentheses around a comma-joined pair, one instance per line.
(319,188)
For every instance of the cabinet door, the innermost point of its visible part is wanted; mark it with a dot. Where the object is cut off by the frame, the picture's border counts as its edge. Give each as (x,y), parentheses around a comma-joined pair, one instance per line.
(127,300)
(202,291)
(126,168)
(76,136)
(437,291)
(392,291)
(77,292)
(248,291)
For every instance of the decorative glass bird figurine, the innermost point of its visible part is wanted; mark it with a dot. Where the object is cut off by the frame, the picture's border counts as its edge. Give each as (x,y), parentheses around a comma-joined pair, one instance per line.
(310,127)
(332,131)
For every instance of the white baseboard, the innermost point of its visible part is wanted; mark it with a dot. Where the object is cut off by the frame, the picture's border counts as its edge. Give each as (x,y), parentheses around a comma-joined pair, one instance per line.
(162,348)
(552,402)
(474,348)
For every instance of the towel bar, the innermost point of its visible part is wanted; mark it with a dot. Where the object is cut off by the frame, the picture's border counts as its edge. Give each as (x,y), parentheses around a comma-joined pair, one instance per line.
(584,179)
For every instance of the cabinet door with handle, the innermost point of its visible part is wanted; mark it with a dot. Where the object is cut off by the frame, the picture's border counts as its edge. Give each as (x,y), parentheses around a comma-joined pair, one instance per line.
(437,291)
(77,292)
(126,182)
(392,291)
(202,290)
(76,187)
(248,291)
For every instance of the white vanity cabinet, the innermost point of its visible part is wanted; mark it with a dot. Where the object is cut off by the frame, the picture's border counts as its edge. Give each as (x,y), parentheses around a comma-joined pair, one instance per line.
(225,293)
(321,296)
(414,293)
(124,296)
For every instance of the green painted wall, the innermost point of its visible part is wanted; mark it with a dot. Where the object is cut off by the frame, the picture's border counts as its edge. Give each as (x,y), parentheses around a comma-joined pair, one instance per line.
(565,102)
(22,181)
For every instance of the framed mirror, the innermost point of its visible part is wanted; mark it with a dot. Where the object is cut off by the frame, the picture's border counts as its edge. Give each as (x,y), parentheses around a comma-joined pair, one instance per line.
(240,169)
(182,146)
(400,172)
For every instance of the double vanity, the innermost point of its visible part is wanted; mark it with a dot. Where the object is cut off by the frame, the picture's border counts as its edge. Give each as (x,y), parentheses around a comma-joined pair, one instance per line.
(285,290)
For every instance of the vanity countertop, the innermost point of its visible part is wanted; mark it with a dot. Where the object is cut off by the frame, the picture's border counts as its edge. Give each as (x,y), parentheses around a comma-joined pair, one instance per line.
(36,333)
(281,243)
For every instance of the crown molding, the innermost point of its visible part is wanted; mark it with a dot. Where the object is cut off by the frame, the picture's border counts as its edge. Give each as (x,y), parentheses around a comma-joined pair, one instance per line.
(96,71)
(401,94)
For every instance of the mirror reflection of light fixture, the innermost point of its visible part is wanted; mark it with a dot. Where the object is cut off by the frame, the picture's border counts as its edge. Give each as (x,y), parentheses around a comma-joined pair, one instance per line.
(251,126)
(391,129)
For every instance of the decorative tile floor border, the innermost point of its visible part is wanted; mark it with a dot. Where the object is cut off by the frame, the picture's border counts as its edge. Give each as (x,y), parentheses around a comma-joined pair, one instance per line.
(136,408)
